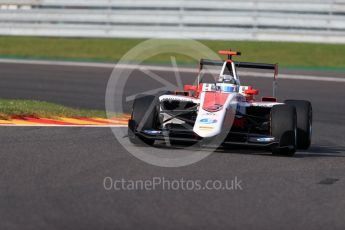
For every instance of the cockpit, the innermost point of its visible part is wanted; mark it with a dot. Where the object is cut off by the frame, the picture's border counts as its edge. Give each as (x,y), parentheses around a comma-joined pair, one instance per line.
(228,74)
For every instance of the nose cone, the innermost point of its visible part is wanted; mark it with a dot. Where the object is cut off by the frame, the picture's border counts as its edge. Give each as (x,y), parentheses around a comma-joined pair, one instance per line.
(207,127)
(212,112)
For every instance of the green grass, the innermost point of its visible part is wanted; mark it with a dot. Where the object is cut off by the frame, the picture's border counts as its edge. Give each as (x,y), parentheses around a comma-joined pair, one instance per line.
(21,108)
(287,54)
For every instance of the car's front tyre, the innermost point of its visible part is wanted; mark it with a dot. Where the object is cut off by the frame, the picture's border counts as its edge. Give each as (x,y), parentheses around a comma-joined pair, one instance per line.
(144,117)
(284,129)
(304,122)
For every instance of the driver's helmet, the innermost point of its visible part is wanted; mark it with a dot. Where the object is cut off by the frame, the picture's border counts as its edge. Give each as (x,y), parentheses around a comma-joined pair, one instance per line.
(228,79)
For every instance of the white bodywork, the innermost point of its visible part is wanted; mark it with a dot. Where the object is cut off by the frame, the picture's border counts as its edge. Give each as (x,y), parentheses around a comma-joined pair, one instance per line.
(229,97)
(209,124)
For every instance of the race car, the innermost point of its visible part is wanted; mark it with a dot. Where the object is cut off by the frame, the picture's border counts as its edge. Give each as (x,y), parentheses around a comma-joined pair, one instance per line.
(218,107)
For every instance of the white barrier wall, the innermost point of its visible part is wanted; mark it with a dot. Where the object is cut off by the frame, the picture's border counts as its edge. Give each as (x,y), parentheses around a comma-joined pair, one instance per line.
(267,20)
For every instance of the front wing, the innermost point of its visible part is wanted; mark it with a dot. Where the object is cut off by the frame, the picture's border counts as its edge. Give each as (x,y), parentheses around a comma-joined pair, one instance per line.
(185,135)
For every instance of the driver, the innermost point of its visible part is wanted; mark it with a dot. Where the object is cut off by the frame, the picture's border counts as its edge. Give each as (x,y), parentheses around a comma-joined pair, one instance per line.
(227,79)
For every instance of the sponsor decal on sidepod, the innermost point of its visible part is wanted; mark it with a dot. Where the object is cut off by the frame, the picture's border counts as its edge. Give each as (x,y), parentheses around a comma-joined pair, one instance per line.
(208,121)
(205,127)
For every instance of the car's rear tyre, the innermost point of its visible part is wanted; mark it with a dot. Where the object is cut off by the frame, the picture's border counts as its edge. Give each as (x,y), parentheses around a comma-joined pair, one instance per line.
(284,129)
(304,122)
(144,116)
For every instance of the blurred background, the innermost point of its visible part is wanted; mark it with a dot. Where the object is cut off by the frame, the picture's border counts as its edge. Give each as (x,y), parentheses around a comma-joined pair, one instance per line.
(295,33)
(258,20)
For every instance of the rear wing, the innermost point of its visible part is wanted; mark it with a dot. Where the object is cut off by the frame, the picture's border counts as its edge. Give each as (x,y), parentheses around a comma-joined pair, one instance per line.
(248,65)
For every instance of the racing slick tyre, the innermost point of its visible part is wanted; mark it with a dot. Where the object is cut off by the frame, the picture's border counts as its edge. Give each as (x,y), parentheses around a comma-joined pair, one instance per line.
(284,129)
(304,122)
(144,116)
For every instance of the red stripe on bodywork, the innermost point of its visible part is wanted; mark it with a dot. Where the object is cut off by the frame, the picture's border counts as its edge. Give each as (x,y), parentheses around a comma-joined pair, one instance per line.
(214,101)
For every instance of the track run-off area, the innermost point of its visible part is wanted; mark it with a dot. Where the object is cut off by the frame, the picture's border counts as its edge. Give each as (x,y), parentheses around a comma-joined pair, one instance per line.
(53,177)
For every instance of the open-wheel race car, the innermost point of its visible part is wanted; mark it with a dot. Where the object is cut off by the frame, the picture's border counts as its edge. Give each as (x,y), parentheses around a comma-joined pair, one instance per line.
(222,107)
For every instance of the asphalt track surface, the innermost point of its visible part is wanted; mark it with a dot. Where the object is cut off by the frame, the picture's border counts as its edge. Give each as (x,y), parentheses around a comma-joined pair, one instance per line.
(52,178)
